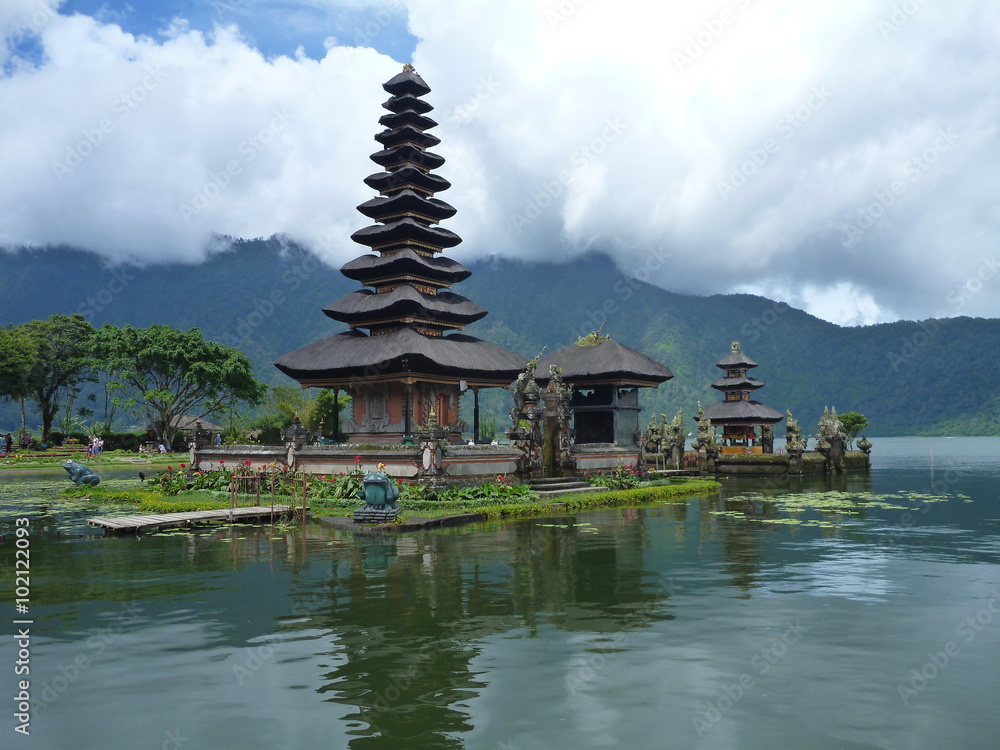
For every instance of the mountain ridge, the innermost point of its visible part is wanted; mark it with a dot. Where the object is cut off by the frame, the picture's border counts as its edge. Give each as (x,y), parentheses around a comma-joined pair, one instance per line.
(265,298)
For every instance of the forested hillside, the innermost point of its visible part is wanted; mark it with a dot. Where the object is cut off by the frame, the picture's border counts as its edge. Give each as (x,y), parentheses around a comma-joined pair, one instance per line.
(934,377)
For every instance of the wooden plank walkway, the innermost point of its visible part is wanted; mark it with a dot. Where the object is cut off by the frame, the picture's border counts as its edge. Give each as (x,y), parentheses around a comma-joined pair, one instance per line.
(154,522)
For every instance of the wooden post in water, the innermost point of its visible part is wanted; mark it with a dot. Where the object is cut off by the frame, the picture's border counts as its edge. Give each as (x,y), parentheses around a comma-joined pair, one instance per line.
(232,494)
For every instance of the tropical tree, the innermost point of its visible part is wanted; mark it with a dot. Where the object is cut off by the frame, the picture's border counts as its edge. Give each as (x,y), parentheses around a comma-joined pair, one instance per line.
(18,351)
(61,363)
(284,403)
(163,373)
(853,423)
(325,410)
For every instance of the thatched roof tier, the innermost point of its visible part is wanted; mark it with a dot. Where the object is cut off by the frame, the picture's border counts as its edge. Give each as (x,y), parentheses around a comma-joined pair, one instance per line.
(352,358)
(407,103)
(741,383)
(403,178)
(407,117)
(369,269)
(742,413)
(606,361)
(442,310)
(407,83)
(403,231)
(407,135)
(736,361)
(404,203)
(407,155)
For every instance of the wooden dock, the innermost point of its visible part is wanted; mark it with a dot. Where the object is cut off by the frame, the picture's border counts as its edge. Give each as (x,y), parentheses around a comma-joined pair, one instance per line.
(139,524)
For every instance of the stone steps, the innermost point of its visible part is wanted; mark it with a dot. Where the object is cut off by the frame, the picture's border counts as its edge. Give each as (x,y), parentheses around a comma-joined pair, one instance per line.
(550,487)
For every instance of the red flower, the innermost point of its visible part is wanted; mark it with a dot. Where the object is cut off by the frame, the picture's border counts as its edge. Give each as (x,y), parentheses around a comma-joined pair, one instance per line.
(183,465)
(246,462)
(170,468)
(357,459)
(222,461)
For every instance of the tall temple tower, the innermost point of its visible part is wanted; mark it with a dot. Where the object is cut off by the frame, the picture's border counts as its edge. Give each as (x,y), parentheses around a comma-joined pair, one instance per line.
(405,366)
(739,415)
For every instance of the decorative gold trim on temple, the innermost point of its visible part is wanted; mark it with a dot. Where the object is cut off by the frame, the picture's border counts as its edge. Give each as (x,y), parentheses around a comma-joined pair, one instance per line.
(408,320)
(403,244)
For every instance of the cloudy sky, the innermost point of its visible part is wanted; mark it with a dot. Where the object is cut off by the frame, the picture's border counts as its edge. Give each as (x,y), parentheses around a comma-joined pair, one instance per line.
(842,157)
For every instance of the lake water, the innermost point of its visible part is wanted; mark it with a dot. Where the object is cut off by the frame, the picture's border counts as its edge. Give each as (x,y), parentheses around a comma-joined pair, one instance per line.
(859,613)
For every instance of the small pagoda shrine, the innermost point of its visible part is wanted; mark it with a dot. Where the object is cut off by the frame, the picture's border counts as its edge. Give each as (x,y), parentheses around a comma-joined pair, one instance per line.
(747,425)
(405,371)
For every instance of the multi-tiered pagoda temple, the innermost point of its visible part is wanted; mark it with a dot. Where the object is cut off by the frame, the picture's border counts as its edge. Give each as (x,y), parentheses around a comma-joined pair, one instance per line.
(405,366)
(746,424)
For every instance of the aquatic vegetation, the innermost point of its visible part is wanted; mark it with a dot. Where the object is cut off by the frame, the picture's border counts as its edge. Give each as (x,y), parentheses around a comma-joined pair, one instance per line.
(836,507)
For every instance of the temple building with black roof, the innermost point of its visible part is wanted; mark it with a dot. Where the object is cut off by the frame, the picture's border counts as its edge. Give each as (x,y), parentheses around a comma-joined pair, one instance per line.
(605,376)
(405,355)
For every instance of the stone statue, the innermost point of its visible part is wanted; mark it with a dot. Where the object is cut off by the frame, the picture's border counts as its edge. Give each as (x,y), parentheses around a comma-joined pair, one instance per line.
(674,443)
(377,489)
(831,440)
(793,435)
(706,432)
(81,474)
(767,439)
(380,493)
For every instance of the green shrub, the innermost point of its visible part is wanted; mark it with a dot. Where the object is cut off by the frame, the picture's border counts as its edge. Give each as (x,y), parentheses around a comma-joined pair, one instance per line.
(622,477)
(150,501)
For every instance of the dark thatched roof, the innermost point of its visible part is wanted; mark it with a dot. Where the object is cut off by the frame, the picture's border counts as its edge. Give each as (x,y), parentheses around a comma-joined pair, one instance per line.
(407,117)
(407,83)
(406,177)
(736,361)
(405,301)
(407,154)
(406,201)
(405,229)
(407,134)
(354,356)
(604,361)
(741,383)
(368,268)
(407,102)
(742,412)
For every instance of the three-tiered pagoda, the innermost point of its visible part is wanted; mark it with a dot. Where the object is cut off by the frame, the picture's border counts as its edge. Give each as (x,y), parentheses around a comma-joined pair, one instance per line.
(405,366)
(739,415)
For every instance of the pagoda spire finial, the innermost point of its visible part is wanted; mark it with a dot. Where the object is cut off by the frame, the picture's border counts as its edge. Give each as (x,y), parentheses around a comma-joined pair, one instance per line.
(407,68)
(736,347)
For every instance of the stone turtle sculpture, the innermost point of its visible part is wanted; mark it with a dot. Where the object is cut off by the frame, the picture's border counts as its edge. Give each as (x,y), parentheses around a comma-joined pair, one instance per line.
(81,474)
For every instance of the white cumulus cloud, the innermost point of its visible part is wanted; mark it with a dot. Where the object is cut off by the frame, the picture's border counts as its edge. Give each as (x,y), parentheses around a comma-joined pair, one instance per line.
(842,157)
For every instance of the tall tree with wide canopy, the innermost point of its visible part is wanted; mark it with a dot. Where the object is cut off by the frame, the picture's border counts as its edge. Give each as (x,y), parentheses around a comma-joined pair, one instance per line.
(164,373)
(853,422)
(18,352)
(61,363)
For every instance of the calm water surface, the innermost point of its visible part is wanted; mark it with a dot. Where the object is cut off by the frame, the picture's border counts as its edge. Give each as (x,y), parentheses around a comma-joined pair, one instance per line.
(863,612)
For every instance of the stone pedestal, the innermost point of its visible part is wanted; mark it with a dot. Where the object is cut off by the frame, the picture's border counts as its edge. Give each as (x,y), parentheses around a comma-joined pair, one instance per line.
(794,460)
(376,514)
